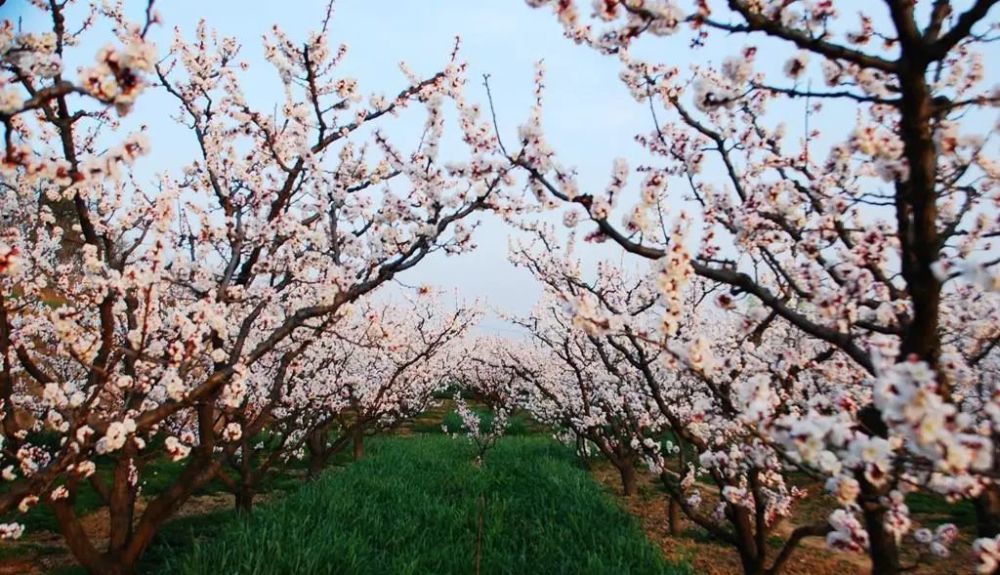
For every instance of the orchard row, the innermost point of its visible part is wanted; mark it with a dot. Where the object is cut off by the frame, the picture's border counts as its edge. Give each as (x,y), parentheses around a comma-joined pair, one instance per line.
(821,303)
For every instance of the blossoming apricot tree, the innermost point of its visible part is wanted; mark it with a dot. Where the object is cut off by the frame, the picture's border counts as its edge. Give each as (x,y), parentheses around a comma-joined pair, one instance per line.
(865,238)
(133,315)
(686,406)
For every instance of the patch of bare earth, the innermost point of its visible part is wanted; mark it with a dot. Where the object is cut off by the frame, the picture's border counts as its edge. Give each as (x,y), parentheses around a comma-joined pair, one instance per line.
(709,557)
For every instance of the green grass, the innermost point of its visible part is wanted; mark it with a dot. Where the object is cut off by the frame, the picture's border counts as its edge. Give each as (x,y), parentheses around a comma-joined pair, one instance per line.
(961,513)
(181,534)
(412,505)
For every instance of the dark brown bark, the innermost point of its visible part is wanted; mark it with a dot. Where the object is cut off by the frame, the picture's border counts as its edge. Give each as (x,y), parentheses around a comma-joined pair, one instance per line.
(316,446)
(320,452)
(10,426)
(751,555)
(988,512)
(629,478)
(674,517)
(66,217)
(916,217)
(244,499)
(76,538)
(198,472)
(916,212)
(129,540)
(250,475)
(882,547)
(317,462)
(121,504)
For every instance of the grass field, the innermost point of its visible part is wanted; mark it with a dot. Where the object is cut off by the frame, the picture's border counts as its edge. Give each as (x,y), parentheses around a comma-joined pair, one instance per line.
(413,505)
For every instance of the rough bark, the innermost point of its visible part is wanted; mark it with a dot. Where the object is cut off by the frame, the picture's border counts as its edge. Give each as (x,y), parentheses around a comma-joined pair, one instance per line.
(751,556)
(882,547)
(629,478)
(988,512)
(674,517)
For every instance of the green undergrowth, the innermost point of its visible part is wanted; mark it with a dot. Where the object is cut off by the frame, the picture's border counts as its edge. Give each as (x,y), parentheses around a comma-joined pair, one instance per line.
(413,505)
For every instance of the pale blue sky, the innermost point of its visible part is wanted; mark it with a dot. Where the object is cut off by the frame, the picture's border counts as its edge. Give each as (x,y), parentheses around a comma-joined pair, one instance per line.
(590,117)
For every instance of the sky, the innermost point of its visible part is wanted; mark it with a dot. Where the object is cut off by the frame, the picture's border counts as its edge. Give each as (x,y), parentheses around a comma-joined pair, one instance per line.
(590,117)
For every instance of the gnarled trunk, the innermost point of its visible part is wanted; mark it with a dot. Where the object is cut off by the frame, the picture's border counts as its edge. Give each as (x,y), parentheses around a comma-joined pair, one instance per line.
(988,512)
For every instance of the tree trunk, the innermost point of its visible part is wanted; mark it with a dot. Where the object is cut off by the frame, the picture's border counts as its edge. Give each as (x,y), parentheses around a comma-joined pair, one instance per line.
(916,212)
(751,557)
(121,505)
(76,538)
(250,474)
(66,217)
(358,437)
(244,499)
(316,446)
(881,544)
(317,461)
(988,514)
(750,562)
(199,471)
(628,476)
(674,517)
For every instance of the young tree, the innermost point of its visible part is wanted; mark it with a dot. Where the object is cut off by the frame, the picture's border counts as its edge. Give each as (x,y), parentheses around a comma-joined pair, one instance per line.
(483,375)
(130,310)
(855,237)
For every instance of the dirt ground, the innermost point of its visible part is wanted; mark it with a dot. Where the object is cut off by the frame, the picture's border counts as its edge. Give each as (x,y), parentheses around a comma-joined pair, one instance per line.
(47,552)
(712,558)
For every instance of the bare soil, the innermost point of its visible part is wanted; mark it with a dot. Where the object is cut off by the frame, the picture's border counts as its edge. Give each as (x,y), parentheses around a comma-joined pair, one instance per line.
(44,551)
(710,557)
